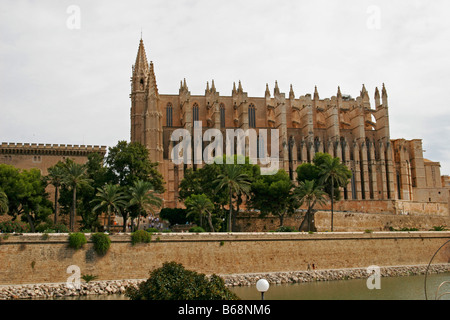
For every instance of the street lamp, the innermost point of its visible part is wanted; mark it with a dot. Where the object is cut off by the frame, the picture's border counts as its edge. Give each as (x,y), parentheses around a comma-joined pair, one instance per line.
(262,286)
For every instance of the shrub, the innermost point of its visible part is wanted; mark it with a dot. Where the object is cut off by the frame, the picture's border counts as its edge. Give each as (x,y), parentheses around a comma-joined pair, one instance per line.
(101,242)
(49,228)
(140,236)
(60,228)
(77,240)
(285,229)
(152,230)
(196,229)
(173,282)
(439,228)
(14,226)
(88,277)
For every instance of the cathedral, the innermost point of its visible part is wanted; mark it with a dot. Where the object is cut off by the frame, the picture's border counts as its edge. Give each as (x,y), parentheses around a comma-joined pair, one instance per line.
(384,169)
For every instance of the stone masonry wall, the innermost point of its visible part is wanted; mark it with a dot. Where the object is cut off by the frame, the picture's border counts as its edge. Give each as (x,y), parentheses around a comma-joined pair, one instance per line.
(27,259)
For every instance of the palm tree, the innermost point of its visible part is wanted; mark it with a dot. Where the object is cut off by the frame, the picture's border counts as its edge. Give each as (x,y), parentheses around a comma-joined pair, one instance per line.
(236,182)
(109,197)
(310,193)
(74,177)
(143,198)
(56,177)
(202,206)
(333,171)
(3,202)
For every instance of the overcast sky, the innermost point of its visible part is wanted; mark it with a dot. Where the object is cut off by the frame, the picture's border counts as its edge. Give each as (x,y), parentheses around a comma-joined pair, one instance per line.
(65,66)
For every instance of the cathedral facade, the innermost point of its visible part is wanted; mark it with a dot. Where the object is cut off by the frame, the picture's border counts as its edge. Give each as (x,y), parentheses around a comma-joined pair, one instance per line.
(349,128)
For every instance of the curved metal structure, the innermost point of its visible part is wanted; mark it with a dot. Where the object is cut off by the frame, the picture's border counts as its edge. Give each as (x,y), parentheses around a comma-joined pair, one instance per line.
(426,274)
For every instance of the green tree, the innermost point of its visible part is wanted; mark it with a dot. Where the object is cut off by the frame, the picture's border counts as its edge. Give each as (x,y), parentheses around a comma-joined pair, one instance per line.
(334,175)
(25,191)
(3,202)
(143,199)
(129,162)
(75,177)
(173,282)
(200,205)
(311,193)
(111,199)
(55,177)
(98,175)
(236,182)
(273,194)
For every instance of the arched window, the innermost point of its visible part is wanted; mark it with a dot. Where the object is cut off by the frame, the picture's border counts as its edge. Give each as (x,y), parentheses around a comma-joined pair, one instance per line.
(251,116)
(195,112)
(222,115)
(169,115)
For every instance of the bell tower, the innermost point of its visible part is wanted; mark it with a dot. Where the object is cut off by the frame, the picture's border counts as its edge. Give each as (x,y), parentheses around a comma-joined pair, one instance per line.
(146,115)
(138,97)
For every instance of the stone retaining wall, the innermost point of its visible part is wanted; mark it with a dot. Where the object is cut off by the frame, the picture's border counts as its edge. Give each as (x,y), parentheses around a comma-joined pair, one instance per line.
(118,287)
(32,258)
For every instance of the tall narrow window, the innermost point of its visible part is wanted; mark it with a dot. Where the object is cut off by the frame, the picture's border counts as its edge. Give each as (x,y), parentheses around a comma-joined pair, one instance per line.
(195,113)
(222,115)
(251,116)
(169,115)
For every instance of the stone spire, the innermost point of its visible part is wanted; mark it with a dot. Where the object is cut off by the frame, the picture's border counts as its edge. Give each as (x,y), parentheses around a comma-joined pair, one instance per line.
(339,93)
(234,88)
(316,93)
(151,82)
(207,88)
(240,90)
(276,90)
(377,97)
(213,87)
(364,93)
(291,93)
(384,97)
(141,63)
(267,94)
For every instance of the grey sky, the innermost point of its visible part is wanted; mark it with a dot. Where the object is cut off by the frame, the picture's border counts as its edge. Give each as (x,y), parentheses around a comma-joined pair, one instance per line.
(71,86)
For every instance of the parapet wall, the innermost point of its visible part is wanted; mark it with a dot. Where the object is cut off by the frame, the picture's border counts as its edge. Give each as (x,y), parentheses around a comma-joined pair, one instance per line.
(49,149)
(29,259)
(345,221)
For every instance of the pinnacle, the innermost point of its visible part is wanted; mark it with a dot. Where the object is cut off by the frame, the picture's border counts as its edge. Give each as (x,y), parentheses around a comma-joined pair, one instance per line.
(141,59)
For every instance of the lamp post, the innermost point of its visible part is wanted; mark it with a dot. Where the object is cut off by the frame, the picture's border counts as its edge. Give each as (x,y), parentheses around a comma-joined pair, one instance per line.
(262,286)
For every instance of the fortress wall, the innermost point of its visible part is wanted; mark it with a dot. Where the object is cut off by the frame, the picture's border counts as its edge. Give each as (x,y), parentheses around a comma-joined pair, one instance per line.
(30,259)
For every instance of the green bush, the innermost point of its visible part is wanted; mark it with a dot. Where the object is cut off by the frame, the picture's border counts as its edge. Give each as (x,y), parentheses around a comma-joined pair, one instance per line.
(152,230)
(88,277)
(196,229)
(50,228)
(77,240)
(439,228)
(173,282)
(286,229)
(101,242)
(140,236)
(14,226)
